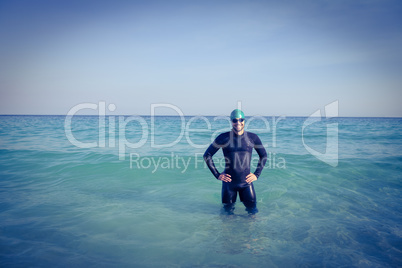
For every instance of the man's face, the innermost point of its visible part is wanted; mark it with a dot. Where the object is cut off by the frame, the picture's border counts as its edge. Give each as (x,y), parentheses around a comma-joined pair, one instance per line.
(238,124)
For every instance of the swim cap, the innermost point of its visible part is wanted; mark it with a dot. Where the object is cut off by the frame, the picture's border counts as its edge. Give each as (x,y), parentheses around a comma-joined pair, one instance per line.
(236,114)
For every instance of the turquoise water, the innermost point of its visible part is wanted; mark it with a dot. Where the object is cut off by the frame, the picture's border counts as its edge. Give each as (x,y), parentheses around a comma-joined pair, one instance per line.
(157,205)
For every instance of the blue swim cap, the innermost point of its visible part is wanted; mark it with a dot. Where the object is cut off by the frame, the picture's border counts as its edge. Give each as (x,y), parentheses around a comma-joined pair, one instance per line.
(236,114)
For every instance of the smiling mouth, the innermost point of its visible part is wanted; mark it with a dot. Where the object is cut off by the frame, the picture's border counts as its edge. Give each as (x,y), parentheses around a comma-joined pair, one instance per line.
(238,126)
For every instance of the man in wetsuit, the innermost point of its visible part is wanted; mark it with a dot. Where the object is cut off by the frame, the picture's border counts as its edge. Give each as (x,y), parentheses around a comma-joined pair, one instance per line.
(237,146)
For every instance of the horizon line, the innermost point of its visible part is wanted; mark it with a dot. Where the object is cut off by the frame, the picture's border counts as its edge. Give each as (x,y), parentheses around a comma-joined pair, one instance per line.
(159,115)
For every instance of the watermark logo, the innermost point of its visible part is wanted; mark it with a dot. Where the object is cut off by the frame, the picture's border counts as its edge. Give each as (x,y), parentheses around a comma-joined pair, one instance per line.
(330,156)
(182,163)
(118,132)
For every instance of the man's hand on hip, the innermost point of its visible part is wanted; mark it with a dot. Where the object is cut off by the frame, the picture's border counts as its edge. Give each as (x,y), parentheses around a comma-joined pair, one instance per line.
(250,178)
(224,177)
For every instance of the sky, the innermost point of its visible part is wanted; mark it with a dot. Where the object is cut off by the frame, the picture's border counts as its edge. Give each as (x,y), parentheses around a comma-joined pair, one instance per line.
(269,58)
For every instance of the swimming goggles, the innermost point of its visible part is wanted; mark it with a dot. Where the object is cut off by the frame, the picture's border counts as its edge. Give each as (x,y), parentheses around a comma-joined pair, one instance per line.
(234,121)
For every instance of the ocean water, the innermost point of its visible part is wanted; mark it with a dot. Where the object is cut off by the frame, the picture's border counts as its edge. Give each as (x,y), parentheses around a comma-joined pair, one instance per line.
(134,191)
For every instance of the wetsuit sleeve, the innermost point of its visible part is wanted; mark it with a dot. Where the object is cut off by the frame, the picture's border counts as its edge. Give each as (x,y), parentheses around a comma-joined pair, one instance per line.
(262,153)
(212,149)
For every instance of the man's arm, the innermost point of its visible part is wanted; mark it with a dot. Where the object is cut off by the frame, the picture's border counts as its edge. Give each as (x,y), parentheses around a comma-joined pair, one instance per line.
(261,162)
(209,153)
(262,153)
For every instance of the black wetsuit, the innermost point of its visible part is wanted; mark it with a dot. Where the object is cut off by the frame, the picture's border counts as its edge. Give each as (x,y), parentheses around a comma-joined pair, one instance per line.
(237,150)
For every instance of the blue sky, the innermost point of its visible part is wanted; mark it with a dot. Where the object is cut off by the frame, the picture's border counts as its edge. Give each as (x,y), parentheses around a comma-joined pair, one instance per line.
(276,57)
